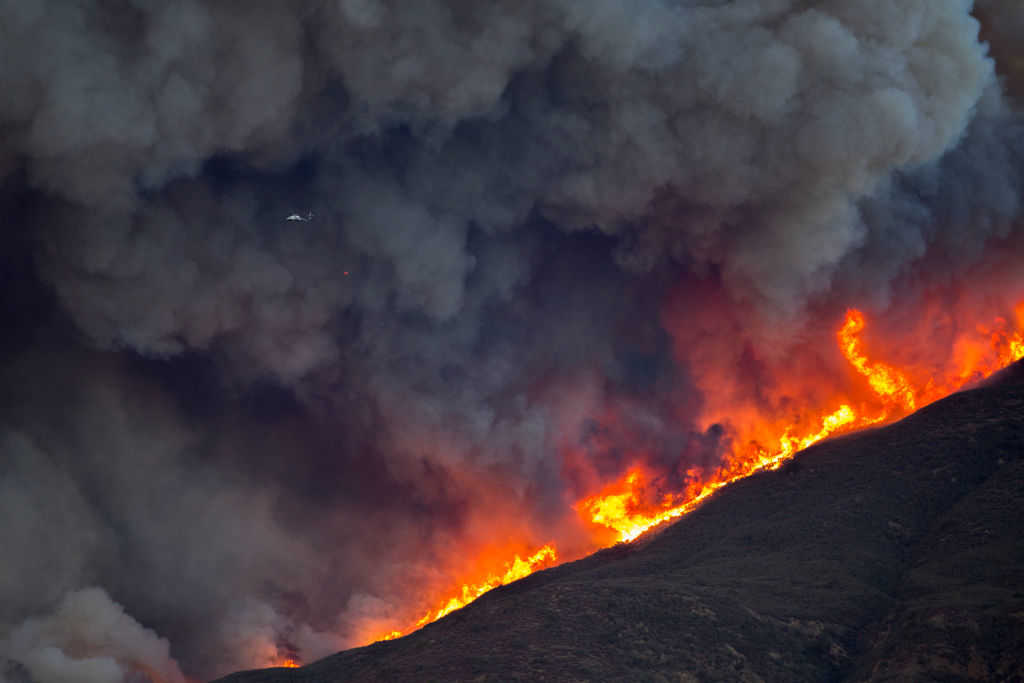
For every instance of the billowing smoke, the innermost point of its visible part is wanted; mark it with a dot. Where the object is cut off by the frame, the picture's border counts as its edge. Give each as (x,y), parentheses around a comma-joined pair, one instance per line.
(522,236)
(90,639)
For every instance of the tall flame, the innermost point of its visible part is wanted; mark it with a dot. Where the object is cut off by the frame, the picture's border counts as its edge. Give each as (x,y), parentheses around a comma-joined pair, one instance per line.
(621,506)
(891,385)
(628,508)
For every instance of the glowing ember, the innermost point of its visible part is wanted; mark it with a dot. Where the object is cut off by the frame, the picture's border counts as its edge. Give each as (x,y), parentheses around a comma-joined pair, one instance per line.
(288,663)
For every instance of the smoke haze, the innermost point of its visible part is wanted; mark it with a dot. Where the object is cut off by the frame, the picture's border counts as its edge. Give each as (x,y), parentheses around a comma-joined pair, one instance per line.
(540,231)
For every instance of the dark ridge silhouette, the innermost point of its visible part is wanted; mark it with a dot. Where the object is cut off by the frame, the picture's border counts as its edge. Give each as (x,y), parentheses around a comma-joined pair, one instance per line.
(890,554)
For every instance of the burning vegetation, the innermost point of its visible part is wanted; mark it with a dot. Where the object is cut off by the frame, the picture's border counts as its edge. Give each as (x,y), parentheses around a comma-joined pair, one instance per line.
(637,502)
(323,319)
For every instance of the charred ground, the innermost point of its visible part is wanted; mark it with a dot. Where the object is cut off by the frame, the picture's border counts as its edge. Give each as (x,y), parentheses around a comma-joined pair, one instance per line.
(892,554)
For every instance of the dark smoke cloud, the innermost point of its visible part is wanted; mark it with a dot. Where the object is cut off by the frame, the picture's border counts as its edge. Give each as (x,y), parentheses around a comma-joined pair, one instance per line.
(253,433)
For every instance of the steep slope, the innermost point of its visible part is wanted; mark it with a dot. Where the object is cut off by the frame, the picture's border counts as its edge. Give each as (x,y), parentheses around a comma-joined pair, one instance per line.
(891,554)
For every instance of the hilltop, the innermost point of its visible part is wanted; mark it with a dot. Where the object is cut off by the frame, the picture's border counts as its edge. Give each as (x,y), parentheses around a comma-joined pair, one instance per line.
(889,554)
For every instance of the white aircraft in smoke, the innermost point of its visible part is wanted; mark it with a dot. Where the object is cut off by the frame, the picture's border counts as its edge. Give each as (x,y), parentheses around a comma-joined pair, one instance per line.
(300,217)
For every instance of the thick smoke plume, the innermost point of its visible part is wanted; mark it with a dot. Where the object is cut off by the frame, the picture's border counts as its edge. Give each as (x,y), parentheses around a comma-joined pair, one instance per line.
(531,234)
(88,623)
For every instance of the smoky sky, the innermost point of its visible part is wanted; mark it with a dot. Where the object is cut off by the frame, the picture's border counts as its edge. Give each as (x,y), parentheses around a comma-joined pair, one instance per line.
(222,431)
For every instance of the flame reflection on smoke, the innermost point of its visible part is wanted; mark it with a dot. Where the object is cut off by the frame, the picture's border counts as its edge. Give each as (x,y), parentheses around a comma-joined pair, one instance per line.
(636,502)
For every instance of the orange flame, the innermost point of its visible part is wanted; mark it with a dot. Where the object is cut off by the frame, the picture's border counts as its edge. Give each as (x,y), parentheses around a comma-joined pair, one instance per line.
(514,570)
(633,504)
(622,506)
(888,383)
(517,569)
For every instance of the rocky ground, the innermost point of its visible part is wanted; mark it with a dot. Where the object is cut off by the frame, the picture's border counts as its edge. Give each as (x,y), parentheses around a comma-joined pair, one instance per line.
(892,554)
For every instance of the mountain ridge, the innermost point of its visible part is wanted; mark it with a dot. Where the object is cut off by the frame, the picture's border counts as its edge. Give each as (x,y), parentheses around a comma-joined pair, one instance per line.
(885,554)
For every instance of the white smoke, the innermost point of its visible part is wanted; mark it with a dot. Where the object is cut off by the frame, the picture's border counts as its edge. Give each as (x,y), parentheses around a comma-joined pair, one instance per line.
(90,639)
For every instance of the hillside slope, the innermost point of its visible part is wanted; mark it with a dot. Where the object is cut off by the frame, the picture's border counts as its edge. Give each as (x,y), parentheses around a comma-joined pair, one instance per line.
(892,554)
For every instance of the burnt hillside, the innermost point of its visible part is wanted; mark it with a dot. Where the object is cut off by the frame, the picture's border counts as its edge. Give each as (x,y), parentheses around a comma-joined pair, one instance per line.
(892,554)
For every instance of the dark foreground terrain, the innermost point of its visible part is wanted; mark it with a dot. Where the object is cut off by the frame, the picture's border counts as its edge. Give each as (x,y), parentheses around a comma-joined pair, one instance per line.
(894,554)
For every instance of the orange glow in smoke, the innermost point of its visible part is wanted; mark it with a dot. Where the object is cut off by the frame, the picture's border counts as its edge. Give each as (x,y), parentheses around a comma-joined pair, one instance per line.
(288,663)
(638,500)
(624,507)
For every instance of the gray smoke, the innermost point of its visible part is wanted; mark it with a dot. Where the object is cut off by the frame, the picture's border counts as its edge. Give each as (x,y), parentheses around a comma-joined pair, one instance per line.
(90,639)
(255,433)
